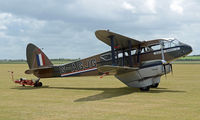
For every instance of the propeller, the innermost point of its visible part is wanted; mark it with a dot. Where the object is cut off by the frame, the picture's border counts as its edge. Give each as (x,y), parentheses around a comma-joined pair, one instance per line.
(164,62)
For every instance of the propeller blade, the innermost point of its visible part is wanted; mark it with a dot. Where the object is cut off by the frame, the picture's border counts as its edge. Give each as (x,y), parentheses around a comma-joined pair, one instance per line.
(165,72)
(164,69)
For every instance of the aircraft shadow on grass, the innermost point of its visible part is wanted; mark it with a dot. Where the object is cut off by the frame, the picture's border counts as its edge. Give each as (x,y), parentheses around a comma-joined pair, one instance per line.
(106,94)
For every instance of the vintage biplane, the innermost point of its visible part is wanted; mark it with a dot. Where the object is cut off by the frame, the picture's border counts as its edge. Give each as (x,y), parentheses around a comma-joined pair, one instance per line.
(136,63)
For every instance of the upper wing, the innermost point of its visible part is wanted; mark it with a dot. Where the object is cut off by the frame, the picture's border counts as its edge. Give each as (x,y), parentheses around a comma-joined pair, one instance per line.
(116,69)
(120,41)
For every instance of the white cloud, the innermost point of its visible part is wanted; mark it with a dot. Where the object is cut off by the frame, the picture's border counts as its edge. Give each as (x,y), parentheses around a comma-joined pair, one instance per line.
(2,34)
(138,6)
(151,5)
(128,6)
(176,6)
(3,27)
(15,33)
(3,20)
(5,15)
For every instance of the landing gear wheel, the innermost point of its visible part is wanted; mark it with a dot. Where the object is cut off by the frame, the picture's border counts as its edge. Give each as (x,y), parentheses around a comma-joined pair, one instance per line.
(35,85)
(38,84)
(155,85)
(147,88)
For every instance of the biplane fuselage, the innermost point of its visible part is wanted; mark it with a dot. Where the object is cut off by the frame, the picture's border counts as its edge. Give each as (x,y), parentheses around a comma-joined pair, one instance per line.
(129,60)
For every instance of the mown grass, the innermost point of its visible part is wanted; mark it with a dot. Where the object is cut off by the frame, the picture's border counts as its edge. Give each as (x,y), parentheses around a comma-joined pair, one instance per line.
(92,98)
(186,62)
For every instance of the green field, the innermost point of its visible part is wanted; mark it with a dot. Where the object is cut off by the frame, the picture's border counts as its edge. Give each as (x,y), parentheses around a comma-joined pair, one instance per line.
(92,98)
(191,58)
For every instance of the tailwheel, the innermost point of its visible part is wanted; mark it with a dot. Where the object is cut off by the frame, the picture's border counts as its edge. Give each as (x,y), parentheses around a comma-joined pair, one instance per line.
(154,85)
(147,88)
(38,84)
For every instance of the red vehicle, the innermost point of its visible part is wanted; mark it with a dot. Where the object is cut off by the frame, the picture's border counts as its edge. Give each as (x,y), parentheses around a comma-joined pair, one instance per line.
(24,81)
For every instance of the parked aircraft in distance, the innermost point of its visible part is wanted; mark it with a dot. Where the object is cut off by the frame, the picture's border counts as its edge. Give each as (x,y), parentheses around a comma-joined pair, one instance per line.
(136,63)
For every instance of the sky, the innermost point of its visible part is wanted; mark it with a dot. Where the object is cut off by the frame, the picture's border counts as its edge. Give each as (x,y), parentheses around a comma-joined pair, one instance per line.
(65,28)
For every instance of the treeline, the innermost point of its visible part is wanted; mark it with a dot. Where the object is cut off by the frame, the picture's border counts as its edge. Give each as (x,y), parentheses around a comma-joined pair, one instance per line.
(22,61)
(9,61)
(67,60)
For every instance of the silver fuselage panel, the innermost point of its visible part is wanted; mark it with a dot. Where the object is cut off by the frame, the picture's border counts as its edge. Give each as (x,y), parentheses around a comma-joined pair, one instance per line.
(146,76)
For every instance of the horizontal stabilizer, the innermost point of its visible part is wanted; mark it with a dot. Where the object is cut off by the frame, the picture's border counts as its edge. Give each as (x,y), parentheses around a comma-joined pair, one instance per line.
(116,69)
(31,71)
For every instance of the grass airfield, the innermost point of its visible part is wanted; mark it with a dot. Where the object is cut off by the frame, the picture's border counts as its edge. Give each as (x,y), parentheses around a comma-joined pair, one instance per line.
(92,98)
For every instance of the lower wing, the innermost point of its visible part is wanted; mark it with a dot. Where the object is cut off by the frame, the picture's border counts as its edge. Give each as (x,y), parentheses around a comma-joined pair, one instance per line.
(116,69)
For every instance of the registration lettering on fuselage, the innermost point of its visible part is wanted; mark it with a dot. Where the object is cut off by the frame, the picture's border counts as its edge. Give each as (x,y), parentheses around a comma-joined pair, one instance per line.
(78,66)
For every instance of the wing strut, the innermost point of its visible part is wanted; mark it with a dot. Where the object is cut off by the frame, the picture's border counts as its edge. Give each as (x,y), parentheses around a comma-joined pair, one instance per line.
(123,57)
(117,54)
(112,49)
(138,54)
(129,53)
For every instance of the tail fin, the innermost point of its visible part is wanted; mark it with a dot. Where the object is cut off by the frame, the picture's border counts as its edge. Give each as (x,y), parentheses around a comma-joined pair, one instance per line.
(36,58)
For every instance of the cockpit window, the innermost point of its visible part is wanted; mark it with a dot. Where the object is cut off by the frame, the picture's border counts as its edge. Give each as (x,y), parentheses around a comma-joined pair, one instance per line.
(175,43)
(167,44)
(171,43)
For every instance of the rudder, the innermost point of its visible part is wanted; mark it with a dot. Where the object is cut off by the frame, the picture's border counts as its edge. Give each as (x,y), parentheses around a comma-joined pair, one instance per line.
(36,58)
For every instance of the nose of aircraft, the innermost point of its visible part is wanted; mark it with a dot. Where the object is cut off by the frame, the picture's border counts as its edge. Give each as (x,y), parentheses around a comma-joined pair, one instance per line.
(186,49)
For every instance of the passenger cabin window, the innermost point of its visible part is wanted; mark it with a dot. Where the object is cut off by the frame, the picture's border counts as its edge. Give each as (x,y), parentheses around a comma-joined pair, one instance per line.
(155,47)
(108,56)
(120,55)
(149,49)
(146,49)
(133,52)
(142,50)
